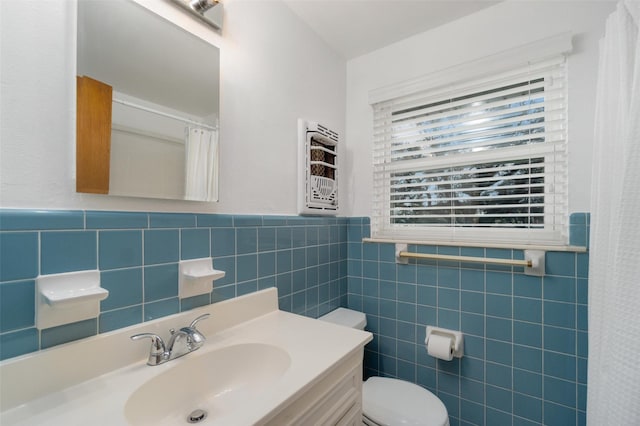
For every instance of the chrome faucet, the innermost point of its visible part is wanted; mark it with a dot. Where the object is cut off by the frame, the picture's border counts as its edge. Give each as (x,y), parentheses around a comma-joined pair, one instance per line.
(181,342)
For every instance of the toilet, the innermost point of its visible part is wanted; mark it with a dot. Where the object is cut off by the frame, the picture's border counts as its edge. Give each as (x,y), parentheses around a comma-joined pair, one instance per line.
(387,401)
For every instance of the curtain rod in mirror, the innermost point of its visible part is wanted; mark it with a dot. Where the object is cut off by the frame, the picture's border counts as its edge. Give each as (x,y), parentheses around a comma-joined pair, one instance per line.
(205,10)
(164,114)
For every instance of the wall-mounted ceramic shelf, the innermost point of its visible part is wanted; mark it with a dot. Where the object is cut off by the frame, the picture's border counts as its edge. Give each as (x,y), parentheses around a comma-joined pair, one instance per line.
(197,276)
(68,297)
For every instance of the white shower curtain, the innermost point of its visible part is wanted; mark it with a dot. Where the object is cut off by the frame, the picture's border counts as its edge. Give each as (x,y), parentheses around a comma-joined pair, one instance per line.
(613,395)
(201,158)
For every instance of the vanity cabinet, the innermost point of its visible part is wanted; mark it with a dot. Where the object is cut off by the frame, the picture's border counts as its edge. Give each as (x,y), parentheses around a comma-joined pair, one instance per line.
(335,399)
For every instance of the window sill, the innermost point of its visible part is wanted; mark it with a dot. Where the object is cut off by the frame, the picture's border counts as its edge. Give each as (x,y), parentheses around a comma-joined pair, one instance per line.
(561,248)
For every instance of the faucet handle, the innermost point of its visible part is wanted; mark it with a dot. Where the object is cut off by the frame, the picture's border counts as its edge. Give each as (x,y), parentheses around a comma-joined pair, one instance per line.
(157,353)
(200,318)
(157,344)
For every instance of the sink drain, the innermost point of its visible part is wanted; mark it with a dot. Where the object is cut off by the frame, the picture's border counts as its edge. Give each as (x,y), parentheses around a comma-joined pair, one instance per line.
(197,416)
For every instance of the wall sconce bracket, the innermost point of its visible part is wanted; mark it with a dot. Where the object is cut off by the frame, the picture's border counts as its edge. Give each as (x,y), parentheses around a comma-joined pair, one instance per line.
(208,11)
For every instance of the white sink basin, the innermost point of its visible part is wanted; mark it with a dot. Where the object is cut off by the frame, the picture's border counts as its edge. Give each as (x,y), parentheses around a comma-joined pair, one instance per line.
(218,382)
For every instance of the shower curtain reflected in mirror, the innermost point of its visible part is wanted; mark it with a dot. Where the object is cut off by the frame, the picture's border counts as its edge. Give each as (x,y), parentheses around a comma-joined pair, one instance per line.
(201,154)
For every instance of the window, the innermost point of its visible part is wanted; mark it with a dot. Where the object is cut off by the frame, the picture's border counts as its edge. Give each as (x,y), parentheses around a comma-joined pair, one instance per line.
(483,160)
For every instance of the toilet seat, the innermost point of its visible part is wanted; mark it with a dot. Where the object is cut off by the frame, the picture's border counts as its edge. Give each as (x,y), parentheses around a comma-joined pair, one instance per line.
(393,402)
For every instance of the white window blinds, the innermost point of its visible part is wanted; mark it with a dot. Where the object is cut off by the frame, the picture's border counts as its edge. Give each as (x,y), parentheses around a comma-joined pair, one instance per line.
(482,160)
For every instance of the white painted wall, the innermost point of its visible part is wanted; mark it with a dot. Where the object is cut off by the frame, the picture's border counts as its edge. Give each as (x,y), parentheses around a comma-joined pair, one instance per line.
(273,70)
(501,27)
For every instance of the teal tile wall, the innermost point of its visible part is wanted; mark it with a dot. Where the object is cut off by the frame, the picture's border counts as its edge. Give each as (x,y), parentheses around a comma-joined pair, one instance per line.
(525,360)
(525,357)
(138,254)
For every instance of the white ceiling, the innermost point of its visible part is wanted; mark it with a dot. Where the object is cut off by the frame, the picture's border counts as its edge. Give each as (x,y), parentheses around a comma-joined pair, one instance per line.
(356,27)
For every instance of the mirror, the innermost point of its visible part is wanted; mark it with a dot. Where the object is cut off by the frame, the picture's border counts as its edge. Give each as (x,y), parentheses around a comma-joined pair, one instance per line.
(160,84)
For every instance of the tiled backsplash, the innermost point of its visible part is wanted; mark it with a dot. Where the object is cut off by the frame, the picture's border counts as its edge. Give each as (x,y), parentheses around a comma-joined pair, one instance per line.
(138,253)
(525,360)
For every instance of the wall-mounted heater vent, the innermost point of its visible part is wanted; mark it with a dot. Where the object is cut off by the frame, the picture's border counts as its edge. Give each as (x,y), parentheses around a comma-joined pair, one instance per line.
(318,169)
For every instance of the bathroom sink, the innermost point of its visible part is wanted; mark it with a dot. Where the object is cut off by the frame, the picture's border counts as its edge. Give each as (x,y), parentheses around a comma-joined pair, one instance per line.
(217,383)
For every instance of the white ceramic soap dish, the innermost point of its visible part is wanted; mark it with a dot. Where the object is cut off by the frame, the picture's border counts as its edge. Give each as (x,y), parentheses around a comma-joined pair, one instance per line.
(68,297)
(197,276)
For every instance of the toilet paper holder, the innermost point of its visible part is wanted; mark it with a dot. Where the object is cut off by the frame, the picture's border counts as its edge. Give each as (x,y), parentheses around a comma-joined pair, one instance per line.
(457,341)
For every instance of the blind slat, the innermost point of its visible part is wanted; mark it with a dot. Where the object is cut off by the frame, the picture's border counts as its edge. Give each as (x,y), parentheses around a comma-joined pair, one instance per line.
(422,100)
(418,138)
(481,103)
(548,150)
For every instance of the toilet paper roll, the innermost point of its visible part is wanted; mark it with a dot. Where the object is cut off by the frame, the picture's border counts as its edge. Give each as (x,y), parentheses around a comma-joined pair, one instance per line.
(440,347)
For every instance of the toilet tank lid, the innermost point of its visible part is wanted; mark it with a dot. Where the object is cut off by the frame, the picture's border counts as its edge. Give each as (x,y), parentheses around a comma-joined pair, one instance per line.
(346,317)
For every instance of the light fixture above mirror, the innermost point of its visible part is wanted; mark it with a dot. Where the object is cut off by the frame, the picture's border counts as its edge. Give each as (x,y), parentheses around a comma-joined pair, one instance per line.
(208,11)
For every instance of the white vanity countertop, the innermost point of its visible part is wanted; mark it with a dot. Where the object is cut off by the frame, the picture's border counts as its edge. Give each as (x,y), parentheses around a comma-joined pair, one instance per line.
(39,388)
